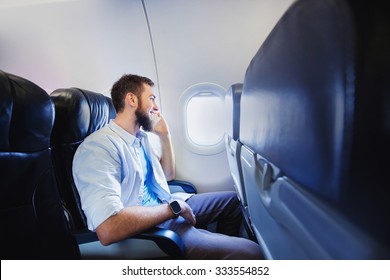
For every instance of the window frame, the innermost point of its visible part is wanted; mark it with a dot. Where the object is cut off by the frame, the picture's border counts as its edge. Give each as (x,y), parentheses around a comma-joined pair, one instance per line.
(185,98)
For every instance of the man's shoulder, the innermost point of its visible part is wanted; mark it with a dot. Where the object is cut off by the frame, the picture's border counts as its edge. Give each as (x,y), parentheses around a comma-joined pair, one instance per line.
(102,136)
(100,140)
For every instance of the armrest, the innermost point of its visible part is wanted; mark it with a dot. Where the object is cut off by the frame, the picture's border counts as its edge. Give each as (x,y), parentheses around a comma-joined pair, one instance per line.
(167,240)
(181,186)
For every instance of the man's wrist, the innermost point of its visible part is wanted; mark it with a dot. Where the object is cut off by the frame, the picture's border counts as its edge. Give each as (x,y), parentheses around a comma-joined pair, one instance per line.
(175,208)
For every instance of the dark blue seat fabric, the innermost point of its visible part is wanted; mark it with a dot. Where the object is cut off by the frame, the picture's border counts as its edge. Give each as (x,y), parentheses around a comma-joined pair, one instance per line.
(80,112)
(315,129)
(33,224)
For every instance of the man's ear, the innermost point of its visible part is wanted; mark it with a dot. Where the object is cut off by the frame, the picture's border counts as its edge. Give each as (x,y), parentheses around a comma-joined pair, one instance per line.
(132,99)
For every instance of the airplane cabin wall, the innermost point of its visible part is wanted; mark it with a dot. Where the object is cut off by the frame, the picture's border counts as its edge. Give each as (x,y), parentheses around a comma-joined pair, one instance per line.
(75,43)
(90,43)
(205,42)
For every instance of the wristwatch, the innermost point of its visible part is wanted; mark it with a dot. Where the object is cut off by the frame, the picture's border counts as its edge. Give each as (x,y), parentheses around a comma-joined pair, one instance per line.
(175,207)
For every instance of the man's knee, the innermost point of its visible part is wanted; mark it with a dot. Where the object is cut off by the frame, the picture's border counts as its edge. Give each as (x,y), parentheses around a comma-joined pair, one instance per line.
(231,198)
(252,252)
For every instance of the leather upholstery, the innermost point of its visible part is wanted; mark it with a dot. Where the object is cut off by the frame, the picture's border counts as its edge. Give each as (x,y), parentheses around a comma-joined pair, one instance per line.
(298,96)
(78,114)
(315,111)
(32,218)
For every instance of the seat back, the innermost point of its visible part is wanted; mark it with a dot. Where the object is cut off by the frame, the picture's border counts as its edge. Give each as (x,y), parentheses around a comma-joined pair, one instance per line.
(315,133)
(33,221)
(233,149)
(78,114)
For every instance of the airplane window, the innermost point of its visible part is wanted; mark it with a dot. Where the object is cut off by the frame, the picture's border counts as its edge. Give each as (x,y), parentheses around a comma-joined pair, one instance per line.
(204,118)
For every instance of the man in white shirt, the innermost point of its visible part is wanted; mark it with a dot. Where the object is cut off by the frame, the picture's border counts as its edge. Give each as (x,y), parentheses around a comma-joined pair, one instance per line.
(123,183)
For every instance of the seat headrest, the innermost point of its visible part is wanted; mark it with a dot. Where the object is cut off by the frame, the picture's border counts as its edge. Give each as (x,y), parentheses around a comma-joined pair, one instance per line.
(26,115)
(232,105)
(79,113)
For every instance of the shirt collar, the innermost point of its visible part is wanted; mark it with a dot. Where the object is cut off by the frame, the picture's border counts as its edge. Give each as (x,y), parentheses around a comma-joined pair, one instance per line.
(127,137)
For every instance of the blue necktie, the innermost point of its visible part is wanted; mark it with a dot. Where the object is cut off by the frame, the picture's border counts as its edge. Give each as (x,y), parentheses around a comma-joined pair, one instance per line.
(151,181)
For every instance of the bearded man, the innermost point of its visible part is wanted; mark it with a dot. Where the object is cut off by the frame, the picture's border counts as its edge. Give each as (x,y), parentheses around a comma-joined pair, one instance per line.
(122,183)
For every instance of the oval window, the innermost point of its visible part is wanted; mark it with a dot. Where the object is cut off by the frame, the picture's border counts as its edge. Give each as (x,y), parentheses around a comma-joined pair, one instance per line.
(204,118)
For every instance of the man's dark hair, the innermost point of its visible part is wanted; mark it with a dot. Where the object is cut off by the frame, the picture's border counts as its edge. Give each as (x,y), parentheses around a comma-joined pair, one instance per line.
(127,83)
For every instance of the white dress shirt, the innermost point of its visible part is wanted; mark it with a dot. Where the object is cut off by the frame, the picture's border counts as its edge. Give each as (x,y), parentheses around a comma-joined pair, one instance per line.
(108,172)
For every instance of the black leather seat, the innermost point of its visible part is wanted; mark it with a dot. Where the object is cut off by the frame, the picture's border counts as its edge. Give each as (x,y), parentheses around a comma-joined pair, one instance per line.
(33,224)
(315,133)
(79,113)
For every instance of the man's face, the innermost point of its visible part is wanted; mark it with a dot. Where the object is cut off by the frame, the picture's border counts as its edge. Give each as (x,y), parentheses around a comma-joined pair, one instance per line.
(146,107)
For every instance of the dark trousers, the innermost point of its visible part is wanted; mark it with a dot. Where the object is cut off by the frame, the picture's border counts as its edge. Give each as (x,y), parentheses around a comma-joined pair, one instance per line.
(224,209)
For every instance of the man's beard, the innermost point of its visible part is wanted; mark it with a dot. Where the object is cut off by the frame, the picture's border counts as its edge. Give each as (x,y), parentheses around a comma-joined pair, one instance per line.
(143,120)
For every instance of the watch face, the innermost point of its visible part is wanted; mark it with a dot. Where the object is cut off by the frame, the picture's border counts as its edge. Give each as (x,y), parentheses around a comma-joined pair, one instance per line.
(175,207)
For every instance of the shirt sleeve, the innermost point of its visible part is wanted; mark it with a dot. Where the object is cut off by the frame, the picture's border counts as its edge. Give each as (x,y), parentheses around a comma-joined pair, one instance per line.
(96,172)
